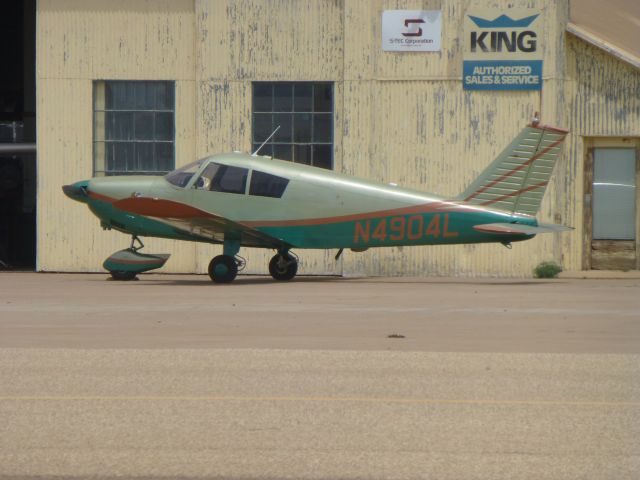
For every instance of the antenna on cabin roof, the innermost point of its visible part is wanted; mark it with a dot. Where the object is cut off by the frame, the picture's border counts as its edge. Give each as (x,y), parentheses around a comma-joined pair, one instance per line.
(265,142)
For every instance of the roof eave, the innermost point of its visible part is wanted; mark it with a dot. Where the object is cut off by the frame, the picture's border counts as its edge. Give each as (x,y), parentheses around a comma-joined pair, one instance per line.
(608,47)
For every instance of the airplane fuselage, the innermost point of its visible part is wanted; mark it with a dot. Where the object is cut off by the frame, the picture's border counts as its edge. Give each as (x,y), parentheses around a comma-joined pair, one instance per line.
(318,209)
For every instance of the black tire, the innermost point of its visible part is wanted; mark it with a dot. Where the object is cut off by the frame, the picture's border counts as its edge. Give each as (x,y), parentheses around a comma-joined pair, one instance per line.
(123,276)
(223,269)
(283,267)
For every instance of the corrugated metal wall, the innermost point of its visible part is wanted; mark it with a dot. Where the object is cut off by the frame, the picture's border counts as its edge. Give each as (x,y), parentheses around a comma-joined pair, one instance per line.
(400,118)
(601,100)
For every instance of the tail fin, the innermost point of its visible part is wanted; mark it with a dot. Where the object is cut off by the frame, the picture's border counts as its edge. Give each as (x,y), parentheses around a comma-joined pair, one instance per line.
(517,179)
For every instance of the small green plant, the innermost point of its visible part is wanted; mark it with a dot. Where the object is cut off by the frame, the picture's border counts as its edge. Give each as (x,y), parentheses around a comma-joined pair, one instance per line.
(547,270)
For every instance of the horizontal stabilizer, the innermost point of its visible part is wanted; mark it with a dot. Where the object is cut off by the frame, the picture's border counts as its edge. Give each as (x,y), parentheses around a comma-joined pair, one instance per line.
(520,229)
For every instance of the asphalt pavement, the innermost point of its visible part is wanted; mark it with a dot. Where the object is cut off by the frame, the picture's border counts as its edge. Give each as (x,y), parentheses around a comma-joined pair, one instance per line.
(174,377)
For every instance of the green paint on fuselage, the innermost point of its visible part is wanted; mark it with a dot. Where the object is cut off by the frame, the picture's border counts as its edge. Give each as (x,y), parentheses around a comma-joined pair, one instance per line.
(111,217)
(396,230)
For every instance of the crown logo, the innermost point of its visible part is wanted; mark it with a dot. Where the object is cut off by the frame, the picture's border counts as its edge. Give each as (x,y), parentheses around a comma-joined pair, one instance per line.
(503,21)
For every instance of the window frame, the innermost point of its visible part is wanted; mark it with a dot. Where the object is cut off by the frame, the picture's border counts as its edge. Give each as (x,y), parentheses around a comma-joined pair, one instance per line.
(101,144)
(288,113)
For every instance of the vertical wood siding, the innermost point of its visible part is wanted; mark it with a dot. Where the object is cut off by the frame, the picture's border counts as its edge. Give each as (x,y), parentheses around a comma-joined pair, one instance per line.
(399,117)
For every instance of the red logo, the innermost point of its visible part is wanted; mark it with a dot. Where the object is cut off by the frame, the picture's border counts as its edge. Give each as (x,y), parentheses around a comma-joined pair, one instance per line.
(408,23)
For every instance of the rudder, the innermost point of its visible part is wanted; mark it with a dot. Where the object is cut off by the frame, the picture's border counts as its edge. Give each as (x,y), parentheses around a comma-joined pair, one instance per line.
(517,179)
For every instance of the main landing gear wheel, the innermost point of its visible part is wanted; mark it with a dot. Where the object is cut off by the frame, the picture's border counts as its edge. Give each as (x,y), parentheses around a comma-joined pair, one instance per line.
(283,266)
(223,269)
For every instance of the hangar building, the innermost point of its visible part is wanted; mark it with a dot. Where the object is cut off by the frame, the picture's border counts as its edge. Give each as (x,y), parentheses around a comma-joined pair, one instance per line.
(386,90)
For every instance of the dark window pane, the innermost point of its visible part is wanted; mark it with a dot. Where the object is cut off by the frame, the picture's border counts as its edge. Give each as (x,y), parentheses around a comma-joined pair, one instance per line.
(261,126)
(285,133)
(262,96)
(109,157)
(109,95)
(266,185)
(145,93)
(143,125)
(164,95)
(302,127)
(229,179)
(164,156)
(302,97)
(322,156)
(119,156)
(164,126)
(322,128)
(323,97)
(265,150)
(143,157)
(282,152)
(302,154)
(119,126)
(282,97)
(119,95)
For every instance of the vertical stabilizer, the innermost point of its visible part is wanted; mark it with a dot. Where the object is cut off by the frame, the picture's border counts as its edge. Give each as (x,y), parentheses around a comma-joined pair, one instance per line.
(517,179)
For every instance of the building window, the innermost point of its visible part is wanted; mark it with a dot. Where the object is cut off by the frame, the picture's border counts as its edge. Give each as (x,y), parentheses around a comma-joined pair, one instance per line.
(133,127)
(304,112)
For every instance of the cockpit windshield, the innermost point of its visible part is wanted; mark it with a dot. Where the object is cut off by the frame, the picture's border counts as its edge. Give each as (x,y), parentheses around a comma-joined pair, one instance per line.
(181,176)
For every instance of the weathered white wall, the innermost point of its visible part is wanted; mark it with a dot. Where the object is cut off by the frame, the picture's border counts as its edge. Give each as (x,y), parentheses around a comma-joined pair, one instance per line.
(601,100)
(400,117)
(79,41)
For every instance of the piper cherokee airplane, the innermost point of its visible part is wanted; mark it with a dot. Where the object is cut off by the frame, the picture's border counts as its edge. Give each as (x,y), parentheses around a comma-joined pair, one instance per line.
(247,200)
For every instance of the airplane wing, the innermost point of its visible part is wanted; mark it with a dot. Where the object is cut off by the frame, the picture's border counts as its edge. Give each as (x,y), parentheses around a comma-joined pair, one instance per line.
(197,222)
(520,229)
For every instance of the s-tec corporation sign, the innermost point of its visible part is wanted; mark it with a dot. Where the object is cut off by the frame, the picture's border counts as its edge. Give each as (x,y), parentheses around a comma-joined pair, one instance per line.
(502,50)
(411,30)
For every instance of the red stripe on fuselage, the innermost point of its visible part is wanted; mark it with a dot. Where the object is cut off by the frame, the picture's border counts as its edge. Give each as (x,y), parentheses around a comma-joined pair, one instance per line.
(433,207)
(102,198)
(152,261)
(156,207)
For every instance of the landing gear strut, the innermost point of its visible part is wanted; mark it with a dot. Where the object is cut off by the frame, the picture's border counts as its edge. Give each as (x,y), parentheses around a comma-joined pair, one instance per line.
(283,266)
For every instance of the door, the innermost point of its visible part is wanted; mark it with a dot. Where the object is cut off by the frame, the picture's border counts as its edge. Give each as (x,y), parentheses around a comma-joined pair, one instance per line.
(614,209)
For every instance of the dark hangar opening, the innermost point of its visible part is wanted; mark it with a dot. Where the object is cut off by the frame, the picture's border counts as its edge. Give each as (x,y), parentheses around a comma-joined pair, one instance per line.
(18,135)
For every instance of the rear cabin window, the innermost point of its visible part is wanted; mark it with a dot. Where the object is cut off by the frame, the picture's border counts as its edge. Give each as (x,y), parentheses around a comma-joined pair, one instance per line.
(267,185)
(223,178)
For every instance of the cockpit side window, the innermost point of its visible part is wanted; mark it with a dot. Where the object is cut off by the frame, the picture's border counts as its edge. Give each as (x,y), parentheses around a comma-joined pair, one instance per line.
(181,176)
(228,179)
(267,185)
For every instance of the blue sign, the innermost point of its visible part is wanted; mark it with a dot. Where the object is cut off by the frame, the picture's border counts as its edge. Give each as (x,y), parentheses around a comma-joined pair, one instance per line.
(502,49)
(502,74)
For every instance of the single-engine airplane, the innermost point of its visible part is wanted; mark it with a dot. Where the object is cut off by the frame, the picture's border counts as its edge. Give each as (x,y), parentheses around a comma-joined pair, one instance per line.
(248,200)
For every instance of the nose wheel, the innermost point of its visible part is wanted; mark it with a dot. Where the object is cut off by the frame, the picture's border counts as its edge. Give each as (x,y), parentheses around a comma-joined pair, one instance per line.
(283,266)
